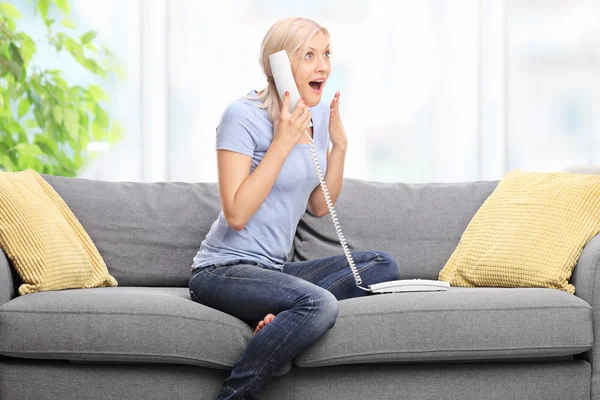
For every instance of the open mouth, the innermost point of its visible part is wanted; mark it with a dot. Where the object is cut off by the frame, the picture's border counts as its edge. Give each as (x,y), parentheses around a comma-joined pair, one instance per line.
(316,85)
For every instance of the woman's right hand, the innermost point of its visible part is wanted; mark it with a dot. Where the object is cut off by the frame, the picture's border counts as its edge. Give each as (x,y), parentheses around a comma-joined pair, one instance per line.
(289,128)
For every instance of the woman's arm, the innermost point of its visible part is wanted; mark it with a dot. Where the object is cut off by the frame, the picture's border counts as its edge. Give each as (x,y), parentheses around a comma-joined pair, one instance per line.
(242,193)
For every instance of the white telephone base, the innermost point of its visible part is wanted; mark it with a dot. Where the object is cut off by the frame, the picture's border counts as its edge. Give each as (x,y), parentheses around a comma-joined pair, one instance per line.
(409,285)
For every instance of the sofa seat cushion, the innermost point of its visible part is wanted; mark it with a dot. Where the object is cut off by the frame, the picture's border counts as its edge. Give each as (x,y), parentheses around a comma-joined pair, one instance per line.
(149,324)
(124,324)
(458,324)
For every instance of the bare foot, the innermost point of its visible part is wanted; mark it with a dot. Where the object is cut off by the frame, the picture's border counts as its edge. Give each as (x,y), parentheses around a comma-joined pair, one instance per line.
(268,318)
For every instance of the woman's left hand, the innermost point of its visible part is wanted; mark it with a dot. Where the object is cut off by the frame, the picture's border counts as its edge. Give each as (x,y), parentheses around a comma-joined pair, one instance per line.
(337,135)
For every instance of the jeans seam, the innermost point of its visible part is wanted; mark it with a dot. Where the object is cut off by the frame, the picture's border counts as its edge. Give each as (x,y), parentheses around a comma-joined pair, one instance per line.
(246,279)
(347,277)
(194,297)
(377,256)
(232,277)
(318,270)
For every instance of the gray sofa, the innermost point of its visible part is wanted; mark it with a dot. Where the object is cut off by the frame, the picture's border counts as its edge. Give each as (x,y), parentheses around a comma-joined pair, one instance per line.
(146,339)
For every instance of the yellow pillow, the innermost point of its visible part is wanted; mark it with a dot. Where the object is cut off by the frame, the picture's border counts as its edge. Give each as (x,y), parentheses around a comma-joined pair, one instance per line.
(529,232)
(47,245)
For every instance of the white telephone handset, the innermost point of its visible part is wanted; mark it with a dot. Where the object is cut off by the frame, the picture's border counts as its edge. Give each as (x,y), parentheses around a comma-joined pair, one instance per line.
(284,81)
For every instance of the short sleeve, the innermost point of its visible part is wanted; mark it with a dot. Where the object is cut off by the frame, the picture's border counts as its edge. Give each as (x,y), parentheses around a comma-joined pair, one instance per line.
(234,131)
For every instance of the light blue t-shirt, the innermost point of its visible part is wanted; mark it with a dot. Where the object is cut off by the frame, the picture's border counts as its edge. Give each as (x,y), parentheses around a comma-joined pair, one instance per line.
(268,236)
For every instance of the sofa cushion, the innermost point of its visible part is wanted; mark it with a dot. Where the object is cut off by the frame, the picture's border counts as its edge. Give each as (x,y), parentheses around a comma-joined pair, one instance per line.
(47,245)
(147,233)
(164,325)
(457,324)
(419,224)
(125,324)
(530,232)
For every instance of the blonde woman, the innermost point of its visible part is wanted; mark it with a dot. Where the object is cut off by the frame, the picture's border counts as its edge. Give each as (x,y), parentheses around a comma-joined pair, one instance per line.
(266,182)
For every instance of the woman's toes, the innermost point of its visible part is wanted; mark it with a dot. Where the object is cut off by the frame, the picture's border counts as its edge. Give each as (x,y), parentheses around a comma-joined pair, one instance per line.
(268,318)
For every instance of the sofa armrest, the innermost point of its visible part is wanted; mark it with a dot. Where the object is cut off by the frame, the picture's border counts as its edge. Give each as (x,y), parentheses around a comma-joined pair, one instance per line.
(585,276)
(8,280)
(586,279)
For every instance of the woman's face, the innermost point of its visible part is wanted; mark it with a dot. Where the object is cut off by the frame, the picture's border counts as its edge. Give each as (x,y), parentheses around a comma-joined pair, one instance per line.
(313,65)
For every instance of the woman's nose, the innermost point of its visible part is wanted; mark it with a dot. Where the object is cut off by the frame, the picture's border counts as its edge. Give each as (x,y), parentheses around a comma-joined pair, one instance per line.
(323,66)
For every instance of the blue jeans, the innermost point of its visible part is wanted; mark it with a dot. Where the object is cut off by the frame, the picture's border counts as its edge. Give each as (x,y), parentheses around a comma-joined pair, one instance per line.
(303,299)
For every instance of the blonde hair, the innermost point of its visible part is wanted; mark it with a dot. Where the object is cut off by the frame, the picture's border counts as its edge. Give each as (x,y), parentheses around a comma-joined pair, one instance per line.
(294,35)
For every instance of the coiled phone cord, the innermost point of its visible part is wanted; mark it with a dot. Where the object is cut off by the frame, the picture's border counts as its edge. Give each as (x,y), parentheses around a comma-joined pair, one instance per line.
(336,224)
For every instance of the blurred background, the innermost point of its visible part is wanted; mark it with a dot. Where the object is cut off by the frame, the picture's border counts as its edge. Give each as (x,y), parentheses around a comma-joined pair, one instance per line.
(431,90)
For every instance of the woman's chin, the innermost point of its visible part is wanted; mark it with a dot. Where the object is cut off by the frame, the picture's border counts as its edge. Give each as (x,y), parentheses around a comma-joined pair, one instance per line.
(312,99)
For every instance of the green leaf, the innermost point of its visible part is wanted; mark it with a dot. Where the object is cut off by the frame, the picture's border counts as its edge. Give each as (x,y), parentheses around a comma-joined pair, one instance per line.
(43,7)
(57,114)
(108,51)
(34,97)
(6,100)
(6,164)
(6,137)
(101,117)
(71,119)
(11,25)
(92,47)
(24,105)
(64,160)
(97,132)
(68,23)
(15,54)
(14,126)
(30,124)
(46,147)
(39,117)
(28,48)
(49,22)
(88,37)
(9,10)
(15,69)
(74,48)
(84,138)
(93,66)
(28,149)
(63,5)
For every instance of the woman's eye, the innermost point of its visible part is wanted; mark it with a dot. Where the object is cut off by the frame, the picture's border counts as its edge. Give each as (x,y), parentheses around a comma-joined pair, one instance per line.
(328,54)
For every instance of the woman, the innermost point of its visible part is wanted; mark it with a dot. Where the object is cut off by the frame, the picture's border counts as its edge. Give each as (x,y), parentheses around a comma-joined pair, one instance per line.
(266,182)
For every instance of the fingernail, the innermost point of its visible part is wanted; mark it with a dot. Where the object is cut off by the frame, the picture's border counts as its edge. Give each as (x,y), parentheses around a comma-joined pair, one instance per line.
(287,93)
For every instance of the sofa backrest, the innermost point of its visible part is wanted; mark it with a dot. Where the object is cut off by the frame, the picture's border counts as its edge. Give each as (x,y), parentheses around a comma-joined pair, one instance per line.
(419,224)
(147,233)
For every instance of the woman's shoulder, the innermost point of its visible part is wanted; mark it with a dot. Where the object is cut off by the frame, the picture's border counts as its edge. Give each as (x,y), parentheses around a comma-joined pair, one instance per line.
(241,108)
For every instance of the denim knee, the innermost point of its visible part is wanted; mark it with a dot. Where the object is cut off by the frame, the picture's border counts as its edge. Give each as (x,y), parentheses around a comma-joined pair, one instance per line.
(391,263)
(327,305)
